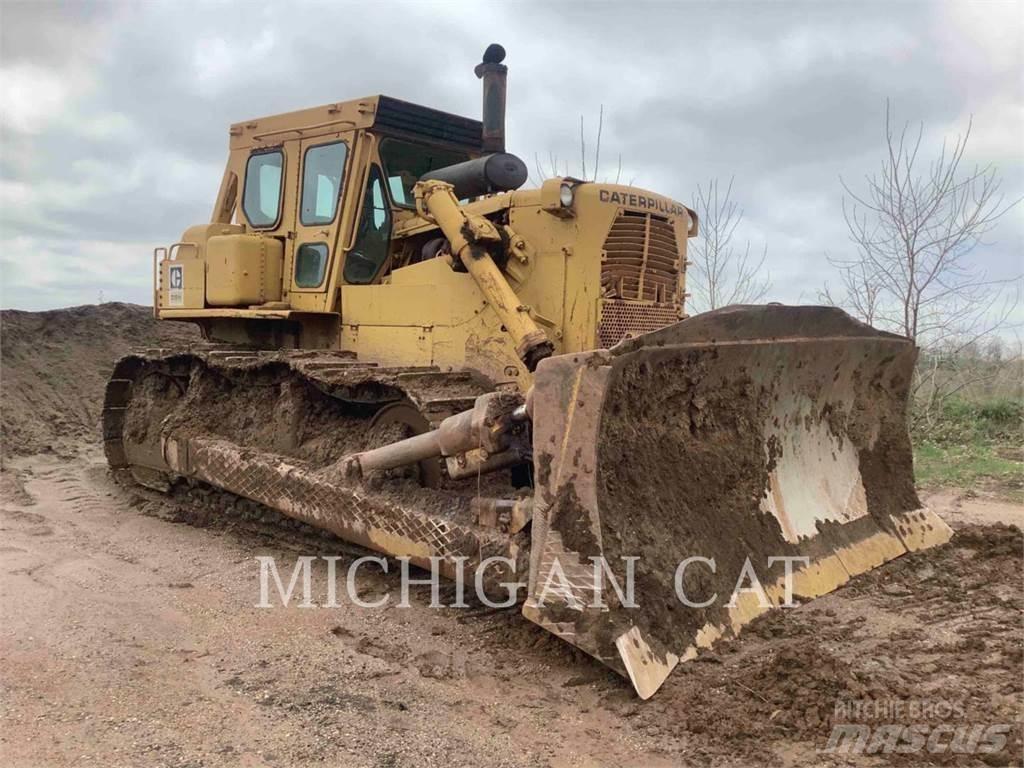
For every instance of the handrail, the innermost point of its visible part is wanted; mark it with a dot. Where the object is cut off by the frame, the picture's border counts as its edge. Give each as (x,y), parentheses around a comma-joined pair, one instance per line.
(170,251)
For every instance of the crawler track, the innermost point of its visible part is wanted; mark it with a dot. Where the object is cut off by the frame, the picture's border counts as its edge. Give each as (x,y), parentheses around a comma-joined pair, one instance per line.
(270,427)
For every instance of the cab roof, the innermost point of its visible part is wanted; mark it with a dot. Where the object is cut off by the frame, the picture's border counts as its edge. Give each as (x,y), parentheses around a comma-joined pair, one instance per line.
(383,114)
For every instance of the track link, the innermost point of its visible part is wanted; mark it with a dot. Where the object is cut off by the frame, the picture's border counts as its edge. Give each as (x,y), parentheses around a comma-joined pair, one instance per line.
(269,425)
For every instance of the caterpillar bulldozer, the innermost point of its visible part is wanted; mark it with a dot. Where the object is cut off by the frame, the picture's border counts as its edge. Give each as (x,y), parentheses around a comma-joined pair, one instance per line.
(404,347)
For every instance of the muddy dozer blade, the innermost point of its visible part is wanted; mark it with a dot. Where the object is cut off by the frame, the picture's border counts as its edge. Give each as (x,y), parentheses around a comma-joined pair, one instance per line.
(739,436)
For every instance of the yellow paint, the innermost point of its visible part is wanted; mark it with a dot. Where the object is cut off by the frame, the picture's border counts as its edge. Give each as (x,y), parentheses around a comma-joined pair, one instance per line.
(922,529)
(645,671)
(421,313)
(870,552)
(243,269)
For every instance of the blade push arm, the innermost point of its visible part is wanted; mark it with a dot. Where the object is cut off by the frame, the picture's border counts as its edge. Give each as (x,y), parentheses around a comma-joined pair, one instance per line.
(471,236)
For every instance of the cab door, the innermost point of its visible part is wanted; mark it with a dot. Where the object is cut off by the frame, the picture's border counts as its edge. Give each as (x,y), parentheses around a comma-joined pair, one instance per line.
(319,209)
(371,238)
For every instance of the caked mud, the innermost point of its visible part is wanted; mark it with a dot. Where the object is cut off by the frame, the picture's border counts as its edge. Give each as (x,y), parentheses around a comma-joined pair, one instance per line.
(707,462)
(688,445)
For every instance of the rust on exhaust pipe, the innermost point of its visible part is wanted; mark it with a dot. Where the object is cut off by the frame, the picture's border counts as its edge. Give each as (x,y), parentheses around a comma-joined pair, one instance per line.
(494,75)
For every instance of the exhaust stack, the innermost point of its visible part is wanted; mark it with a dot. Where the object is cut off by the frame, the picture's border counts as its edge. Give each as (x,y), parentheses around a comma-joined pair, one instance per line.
(494,75)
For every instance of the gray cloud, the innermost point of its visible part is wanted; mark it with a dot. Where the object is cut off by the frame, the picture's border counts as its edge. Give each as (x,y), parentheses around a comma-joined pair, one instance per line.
(114,116)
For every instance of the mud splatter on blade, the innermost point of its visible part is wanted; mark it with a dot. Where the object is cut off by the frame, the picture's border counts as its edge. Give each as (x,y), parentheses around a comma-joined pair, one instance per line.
(742,435)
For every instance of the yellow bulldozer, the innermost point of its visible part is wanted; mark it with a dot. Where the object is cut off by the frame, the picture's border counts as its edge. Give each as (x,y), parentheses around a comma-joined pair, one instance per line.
(404,347)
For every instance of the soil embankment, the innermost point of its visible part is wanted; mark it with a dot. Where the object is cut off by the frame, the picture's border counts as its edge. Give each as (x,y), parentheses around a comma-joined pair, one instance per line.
(54,366)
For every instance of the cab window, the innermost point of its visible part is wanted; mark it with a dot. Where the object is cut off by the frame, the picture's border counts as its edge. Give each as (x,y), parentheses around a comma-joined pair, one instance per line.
(373,233)
(321,182)
(405,162)
(310,264)
(261,200)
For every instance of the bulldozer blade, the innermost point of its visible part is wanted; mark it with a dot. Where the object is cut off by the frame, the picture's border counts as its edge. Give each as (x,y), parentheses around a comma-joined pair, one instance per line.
(683,472)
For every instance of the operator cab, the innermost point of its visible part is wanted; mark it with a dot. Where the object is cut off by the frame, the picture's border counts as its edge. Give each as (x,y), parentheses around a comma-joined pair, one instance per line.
(322,199)
(308,203)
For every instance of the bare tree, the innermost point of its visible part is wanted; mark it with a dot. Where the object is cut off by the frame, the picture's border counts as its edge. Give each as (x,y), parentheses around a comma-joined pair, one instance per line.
(861,293)
(915,226)
(721,271)
(556,166)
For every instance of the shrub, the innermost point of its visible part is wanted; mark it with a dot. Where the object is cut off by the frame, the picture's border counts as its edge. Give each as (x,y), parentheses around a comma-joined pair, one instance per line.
(961,421)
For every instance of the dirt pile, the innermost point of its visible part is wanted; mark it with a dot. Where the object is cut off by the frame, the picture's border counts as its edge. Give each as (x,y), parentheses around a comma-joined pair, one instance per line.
(799,687)
(969,573)
(54,366)
(931,639)
(788,690)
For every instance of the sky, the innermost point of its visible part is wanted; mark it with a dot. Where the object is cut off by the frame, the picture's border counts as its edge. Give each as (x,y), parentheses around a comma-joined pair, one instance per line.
(114,116)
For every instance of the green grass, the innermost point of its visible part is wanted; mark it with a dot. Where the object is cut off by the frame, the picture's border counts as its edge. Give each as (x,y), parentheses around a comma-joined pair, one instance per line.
(972,445)
(964,466)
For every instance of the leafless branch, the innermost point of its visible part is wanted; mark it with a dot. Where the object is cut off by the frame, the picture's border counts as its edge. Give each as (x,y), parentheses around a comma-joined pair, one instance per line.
(915,226)
(583,151)
(587,172)
(721,272)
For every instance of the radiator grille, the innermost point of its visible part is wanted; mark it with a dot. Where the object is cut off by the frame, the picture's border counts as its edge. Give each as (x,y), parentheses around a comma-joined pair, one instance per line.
(623,319)
(641,259)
